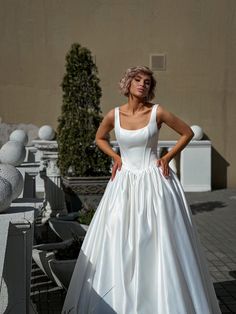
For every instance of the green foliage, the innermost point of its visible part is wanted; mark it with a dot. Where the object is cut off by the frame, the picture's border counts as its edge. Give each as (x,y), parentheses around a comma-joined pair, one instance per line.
(80,117)
(85,216)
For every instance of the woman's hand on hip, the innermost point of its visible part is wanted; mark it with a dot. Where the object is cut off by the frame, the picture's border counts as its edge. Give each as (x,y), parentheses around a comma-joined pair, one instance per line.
(164,164)
(117,165)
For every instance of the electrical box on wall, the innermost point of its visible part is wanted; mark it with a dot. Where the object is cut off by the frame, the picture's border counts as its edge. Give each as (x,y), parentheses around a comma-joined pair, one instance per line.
(158,62)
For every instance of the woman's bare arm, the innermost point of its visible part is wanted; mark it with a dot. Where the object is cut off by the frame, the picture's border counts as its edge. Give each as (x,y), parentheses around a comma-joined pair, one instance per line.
(105,127)
(180,127)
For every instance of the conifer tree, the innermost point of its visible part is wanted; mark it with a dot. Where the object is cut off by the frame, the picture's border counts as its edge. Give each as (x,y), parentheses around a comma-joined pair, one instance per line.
(80,117)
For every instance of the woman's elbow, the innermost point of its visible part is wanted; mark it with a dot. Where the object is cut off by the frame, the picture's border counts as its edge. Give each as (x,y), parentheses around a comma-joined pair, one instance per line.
(99,140)
(190,134)
(96,140)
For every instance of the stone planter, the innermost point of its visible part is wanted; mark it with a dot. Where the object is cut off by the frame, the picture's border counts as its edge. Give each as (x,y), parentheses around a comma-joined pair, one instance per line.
(43,254)
(62,271)
(89,190)
(42,259)
(57,270)
(66,229)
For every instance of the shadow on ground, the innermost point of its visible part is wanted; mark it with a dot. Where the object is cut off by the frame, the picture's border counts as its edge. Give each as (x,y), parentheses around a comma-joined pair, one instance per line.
(226,293)
(206,206)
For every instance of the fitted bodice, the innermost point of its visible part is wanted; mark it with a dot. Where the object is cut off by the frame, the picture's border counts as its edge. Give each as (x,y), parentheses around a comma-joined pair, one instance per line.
(138,148)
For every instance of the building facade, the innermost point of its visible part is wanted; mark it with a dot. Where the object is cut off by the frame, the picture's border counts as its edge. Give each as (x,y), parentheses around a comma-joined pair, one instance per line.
(190,44)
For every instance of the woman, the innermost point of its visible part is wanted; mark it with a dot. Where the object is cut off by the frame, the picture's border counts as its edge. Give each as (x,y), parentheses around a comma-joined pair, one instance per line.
(141,253)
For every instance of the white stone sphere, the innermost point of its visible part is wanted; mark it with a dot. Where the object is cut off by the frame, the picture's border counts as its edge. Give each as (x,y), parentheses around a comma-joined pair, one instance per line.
(5,194)
(14,177)
(12,153)
(46,133)
(198,132)
(19,136)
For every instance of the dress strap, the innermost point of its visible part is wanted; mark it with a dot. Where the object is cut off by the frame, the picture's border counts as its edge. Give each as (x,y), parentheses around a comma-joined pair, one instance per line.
(117,118)
(154,113)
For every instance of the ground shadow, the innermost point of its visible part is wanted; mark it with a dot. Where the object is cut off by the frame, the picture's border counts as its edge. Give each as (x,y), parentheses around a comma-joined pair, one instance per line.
(226,294)
(218,168)
(206,206)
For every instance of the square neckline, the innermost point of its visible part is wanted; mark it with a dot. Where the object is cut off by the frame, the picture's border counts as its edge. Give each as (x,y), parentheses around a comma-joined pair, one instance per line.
(129,130)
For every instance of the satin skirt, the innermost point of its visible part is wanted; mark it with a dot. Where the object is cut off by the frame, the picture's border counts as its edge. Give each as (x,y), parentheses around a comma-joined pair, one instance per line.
(141,253)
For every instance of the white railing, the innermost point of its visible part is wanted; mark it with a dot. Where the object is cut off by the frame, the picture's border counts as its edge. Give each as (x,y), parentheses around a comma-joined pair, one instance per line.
(194,166)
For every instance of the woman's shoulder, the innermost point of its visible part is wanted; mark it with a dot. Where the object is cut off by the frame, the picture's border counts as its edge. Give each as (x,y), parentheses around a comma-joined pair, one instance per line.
(110,116)
(122,107)
(160,108)
(151,106)
(164,114)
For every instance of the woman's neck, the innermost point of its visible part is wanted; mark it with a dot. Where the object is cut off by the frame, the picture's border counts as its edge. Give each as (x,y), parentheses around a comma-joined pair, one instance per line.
(135,104)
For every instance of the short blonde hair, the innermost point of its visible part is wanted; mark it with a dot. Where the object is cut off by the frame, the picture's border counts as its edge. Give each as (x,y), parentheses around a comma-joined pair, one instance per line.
(130,75)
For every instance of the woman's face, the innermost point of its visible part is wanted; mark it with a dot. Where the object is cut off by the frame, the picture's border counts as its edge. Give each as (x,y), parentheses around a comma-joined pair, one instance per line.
(140,85)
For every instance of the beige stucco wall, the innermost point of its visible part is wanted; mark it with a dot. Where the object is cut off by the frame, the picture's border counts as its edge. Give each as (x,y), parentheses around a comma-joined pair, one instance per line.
(198,38)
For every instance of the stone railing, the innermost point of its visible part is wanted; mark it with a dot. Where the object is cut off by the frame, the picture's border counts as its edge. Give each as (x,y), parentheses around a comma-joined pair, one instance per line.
(194,166)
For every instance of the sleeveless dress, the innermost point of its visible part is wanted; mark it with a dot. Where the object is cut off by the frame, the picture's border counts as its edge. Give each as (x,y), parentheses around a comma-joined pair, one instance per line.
(141,253)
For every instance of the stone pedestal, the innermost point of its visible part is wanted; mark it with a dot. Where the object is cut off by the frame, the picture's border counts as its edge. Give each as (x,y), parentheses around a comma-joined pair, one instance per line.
(195,166)
(16,240)
(33,184)
(54,201)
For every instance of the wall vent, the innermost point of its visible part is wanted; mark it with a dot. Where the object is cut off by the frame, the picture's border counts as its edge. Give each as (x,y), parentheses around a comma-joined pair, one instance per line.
(158,62)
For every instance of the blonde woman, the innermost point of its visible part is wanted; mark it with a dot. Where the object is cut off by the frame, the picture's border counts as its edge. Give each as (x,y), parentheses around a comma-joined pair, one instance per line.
(141,253)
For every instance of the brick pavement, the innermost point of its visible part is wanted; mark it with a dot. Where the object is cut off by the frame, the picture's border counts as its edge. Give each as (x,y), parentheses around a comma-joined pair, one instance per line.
(215,216)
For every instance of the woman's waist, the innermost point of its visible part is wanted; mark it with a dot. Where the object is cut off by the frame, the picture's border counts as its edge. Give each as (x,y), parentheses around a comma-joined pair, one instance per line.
(139,165)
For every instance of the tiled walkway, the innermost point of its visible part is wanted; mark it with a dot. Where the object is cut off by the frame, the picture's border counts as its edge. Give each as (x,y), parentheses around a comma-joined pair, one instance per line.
(215,217)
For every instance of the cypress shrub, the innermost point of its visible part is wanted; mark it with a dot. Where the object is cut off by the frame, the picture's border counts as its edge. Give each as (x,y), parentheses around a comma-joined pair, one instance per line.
(80,117)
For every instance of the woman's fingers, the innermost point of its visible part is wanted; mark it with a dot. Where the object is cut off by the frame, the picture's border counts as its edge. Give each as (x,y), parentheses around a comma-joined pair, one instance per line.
(166,171)
(113,171)
(164,166)
(117,165)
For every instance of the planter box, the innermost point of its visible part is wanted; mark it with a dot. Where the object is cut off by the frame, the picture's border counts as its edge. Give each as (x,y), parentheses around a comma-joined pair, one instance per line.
(62,271)
(42,259)
(43,255)
(58,271)
(67,229)
(89,190)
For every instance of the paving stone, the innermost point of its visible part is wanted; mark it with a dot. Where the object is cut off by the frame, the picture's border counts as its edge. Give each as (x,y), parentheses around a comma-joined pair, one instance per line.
(219,263)
(215,215)
(218,236)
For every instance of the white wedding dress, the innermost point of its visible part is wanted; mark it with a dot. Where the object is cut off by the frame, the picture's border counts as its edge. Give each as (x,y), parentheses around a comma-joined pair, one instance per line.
(141,253)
